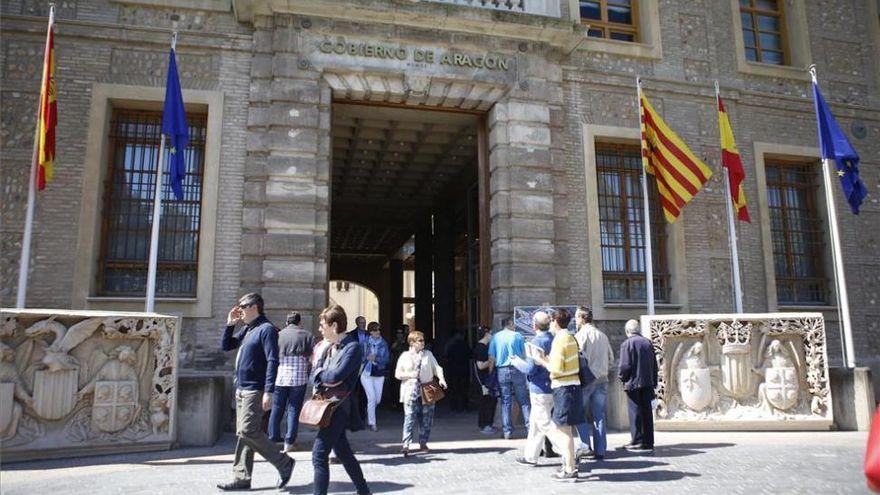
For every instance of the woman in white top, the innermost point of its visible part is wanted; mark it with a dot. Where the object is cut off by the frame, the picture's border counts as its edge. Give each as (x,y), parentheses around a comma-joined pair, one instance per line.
(415,367)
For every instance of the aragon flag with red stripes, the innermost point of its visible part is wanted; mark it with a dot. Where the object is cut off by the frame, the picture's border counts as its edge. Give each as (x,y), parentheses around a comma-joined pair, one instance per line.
(731,161)
(680,174)
(48,116)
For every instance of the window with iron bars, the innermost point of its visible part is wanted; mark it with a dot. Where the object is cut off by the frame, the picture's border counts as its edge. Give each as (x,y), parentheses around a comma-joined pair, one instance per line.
(797,233)
(611,19)
(128,209)
(622,226)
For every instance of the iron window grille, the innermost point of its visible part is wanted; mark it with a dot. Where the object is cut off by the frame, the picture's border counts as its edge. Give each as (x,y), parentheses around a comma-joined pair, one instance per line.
(622,226)
(128,209)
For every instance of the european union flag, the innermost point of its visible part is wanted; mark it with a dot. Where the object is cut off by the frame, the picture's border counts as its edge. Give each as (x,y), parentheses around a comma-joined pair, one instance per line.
(835,146)
(174,126)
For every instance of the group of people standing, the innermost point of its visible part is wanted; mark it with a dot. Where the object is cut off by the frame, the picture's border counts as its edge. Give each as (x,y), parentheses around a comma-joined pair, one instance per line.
(561,386)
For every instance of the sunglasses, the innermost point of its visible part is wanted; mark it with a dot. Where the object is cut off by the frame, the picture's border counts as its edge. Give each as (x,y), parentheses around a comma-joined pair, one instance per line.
(245,306)
(419,340)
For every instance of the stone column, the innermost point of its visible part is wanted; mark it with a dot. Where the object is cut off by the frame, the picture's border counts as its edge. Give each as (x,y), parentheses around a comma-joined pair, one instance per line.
(286,209)
(521,205)
(444,275)
(395,294)
(424,275)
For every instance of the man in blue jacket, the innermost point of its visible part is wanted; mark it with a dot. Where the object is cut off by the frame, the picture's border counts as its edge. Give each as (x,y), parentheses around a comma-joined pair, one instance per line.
(255,367)
(638,372)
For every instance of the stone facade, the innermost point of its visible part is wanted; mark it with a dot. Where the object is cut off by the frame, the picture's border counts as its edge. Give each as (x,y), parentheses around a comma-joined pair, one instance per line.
(278,83)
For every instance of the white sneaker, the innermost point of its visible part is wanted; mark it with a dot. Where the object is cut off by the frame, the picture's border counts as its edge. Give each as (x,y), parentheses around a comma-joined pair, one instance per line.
(488,430)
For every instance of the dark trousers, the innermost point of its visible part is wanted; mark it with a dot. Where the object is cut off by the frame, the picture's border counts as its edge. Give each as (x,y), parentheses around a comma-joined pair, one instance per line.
(458,391)
(289,399)
(641,418)
(333,438)
(486,414)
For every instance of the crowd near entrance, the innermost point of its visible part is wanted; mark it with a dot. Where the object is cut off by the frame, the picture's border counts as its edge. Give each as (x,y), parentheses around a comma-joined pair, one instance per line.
(405,221)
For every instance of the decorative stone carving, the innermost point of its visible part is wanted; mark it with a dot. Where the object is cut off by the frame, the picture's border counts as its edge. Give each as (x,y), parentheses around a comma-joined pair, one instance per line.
(100,381)
(694,380)
(747,371)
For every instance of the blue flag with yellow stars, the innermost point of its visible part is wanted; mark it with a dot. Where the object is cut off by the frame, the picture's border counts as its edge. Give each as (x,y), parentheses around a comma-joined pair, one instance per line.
(835,146)
(174,126)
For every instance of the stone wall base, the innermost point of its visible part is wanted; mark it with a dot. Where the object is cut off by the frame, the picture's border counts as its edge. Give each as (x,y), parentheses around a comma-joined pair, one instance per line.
(853,395)
(201,409)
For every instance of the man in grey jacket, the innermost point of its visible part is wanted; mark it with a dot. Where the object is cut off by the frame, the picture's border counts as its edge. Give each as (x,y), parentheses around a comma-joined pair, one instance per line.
(295,346)
(596,348)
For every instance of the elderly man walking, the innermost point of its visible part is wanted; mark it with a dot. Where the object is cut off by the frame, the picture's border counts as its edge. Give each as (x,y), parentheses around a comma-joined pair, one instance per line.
(502,348)
(595,347)
(256,365)
(638,372)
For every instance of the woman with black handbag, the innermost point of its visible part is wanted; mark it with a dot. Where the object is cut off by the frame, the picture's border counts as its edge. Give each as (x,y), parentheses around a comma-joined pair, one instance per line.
(417,369)
(337,373)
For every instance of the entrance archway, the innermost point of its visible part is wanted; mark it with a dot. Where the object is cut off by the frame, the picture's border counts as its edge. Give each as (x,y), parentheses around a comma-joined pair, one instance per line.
(356,299)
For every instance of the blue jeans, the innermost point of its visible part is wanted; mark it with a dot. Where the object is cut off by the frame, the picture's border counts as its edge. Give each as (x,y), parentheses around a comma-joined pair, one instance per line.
(513,382)
(424,414)
(291,400)
(595,398)
(333,438)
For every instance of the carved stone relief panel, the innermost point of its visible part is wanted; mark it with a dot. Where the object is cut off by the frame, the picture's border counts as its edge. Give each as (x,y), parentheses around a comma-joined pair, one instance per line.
(748,371)
(75,380)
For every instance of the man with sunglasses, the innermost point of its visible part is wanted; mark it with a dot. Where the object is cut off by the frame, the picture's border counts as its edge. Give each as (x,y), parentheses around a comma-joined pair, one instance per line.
(256,365)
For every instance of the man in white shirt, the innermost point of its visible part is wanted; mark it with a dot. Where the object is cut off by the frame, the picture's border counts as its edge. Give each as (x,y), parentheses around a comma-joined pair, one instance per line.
(596,348)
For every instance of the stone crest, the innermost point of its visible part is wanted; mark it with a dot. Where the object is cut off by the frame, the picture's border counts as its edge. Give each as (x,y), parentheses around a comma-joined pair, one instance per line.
(75,380)
(750,371)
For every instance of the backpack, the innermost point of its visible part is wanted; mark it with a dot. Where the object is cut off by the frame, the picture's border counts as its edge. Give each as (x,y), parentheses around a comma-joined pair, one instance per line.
(584,374)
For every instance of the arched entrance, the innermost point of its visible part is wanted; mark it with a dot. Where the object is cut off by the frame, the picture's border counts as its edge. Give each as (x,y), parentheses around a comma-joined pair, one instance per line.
(356,299)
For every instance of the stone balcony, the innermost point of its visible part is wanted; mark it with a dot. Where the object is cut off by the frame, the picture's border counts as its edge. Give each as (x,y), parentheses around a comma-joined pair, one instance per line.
(528,20)
(548,8)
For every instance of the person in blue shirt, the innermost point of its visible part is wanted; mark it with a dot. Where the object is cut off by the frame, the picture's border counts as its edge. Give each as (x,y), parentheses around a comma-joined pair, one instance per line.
(338,368)
(503,346)
(256,364)
(377,358)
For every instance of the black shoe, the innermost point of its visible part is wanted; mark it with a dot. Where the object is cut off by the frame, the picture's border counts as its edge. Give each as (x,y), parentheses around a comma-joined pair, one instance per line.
(640,448)
(284,473)
(235,486)
(524,461)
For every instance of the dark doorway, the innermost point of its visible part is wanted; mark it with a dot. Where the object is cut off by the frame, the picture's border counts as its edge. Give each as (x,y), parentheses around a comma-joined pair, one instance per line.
(406,203)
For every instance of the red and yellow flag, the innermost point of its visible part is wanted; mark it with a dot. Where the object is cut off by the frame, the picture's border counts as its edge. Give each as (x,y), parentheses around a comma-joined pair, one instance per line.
(730,159)
(680,174)
(48,114)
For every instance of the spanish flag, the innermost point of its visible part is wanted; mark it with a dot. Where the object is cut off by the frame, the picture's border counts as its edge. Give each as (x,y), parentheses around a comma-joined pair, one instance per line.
(680,174)
(730,160)
(48,112)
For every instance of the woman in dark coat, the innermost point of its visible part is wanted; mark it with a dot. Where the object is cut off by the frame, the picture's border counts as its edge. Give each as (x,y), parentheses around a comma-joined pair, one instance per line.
(338,368)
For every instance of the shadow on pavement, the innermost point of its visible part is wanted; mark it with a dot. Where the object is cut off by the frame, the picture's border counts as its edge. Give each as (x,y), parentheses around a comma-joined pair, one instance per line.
(348,487)
(642,476)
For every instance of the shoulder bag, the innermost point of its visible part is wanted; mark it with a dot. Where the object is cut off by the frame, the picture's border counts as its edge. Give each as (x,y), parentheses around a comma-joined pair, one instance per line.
(431,392)
(318,411)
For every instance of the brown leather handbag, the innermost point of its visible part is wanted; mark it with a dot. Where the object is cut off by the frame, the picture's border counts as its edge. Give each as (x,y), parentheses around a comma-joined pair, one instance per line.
(432,392)
(318,411)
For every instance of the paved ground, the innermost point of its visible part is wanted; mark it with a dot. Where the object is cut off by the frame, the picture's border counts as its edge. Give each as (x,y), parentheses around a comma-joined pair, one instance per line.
(463,461)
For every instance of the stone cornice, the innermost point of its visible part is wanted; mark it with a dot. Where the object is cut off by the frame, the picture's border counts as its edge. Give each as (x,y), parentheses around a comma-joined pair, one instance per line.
(557,33)
(125,33)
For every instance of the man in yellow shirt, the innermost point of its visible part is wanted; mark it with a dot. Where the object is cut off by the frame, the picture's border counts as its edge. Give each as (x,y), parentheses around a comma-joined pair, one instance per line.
(568,407)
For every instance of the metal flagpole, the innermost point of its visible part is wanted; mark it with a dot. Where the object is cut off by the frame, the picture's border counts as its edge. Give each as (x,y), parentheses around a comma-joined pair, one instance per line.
(731,228)
(157,210)
(840,279)
(649,263)
(32,184)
